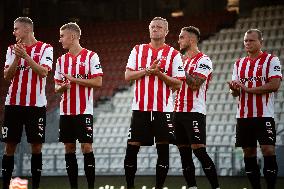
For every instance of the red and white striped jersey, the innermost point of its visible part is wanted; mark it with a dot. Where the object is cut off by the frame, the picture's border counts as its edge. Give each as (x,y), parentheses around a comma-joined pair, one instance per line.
(150,92)
(255,73)
(78,99)
(27,88)
(194,101)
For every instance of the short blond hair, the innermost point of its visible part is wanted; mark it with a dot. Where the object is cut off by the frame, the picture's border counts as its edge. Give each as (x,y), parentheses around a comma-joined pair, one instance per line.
(25,20)
(72,26)
(162,19)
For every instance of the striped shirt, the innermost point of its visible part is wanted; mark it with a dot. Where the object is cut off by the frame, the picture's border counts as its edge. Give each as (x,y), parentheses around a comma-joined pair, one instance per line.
(194,101)
(27,88)
(78,99)
(150,92)
(255,73)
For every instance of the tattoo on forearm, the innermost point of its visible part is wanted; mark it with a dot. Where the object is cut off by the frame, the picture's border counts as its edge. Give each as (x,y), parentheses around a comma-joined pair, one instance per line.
(193,81)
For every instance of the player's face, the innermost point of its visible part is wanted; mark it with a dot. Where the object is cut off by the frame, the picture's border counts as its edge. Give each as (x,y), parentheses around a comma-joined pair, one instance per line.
(158,29)
(20,31)
(184,41)
(65,39)
(252,43)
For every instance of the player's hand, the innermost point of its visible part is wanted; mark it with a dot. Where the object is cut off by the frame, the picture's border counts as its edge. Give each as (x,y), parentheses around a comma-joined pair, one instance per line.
(234,85)
(66,86)
(20,50)
(68,77)
(155,67)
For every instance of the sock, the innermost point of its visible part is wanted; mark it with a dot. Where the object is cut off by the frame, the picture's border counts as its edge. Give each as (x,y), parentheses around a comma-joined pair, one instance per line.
(252,171)
(188,167)
(72,169)
(162,166)
(7,170)
(89,167)
(36,167)
(270,171)
(130,164)
(208,166)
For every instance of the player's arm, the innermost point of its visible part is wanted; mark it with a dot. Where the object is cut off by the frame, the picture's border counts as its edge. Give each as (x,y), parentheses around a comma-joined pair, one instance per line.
(194,81)
(134,75)
(271,86)
(10,71)
(93,82)
(21,52)
(174,83)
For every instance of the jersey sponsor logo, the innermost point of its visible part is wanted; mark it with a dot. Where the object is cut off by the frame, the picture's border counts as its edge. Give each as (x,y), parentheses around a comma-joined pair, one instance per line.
(22,67)
(277,68)
(252,79)
(81,76)
(204,67)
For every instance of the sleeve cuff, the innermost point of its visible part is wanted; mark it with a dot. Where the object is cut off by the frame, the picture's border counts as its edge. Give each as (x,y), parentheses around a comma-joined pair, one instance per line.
(96,75)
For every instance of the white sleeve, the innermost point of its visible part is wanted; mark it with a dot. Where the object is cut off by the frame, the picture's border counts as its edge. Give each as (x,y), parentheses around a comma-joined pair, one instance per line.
(177,67)
(10,56)
(275,68)
(47,58)
(131,64)
(204,67)
(96,67)
(235,76)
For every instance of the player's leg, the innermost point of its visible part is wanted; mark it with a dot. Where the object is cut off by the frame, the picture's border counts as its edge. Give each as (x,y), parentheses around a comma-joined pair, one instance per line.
(8,164)
(85,137)
(267,139)
(35,123)
(67,135)
(11,135)
(246,138)
(163,135)
(89,164)
(136,135)
(183,133)
(198,140)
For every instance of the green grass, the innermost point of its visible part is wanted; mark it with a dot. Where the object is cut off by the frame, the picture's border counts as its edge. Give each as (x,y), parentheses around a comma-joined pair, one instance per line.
(172,182)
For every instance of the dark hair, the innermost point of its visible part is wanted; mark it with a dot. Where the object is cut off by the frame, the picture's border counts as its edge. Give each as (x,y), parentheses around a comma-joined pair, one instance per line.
(259,33)
(192,29)
(25,20)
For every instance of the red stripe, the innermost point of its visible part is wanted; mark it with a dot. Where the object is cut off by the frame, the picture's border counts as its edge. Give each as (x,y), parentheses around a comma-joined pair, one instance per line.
(82,94)
(192,64)
(181,96)
(23,94)
(242,95)
(35,77)
(142,80)
(65,67)
(73,99)
(136,82)
(259,103)
(151,82)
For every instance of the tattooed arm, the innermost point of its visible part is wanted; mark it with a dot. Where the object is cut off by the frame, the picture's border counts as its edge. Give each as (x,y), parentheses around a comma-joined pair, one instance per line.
(194,81)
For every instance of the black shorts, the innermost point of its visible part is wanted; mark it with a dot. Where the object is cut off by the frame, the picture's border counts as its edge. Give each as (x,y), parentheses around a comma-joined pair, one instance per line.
(32,117)
(190,127)
(73,127)
(251,130)
(145,126)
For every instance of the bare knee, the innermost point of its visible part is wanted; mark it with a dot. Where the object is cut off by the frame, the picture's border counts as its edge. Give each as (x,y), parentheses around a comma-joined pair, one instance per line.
(249,152)
(268,150)
(134,143)
(70,148)
(196,146)
(36,148)
(86,147)
(10,148)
